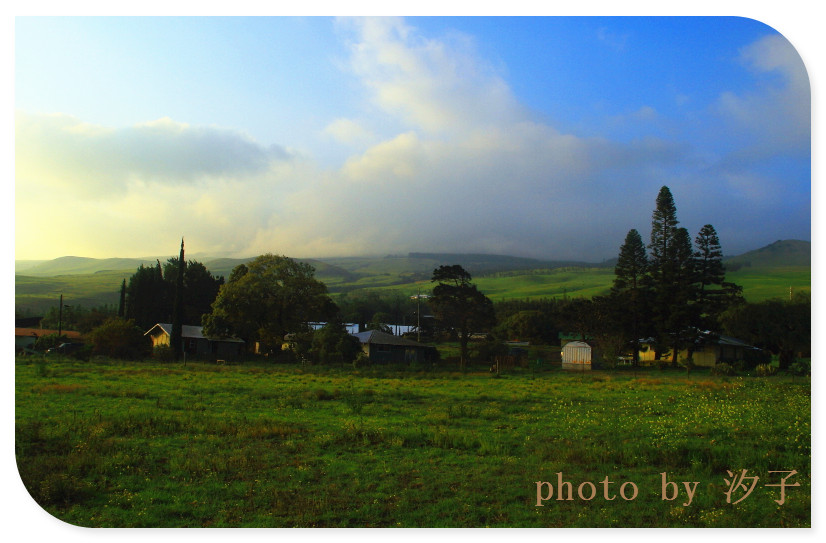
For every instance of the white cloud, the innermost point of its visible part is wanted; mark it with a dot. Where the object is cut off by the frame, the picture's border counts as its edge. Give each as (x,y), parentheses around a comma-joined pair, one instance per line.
(776,115)
(349,132)
(438,86)
(69,155)
(453,163)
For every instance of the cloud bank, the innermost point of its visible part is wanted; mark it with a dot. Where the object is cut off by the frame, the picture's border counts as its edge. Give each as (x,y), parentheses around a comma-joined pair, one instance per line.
(445,159)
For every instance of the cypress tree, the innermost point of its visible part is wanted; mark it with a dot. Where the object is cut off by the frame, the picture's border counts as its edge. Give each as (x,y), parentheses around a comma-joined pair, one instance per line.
(122,304)
(176,337)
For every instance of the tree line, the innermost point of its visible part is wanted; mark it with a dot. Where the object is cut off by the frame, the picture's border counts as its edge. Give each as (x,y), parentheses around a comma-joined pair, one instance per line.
(670,293)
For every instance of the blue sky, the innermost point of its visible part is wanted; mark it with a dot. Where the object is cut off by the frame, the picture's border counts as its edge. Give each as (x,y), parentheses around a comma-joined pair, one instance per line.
(536,136)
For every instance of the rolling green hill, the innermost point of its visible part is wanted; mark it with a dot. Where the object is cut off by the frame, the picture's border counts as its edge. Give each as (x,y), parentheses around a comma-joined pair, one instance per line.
(790,253)
(768,272)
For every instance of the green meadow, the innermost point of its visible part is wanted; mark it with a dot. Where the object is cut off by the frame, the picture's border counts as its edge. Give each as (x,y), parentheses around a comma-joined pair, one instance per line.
(107,443)
(38,294)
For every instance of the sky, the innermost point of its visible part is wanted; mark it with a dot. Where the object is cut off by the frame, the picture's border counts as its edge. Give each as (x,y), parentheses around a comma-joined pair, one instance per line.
(544,137)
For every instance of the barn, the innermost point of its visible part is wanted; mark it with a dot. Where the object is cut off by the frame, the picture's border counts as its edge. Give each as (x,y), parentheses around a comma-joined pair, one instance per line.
(576,355)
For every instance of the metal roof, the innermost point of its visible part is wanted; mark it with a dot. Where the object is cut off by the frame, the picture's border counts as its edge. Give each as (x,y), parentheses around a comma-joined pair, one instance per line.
(382,338)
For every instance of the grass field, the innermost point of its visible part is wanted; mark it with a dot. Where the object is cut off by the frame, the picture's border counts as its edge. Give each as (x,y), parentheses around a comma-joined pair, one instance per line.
(37,294)
(145,444)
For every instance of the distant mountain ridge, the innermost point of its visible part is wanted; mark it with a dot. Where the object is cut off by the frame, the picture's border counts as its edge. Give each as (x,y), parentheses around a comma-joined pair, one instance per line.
(764,273)
(778,254)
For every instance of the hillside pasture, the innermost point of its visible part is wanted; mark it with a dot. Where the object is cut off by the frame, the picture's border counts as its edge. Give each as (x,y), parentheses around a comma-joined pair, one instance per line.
(145,444)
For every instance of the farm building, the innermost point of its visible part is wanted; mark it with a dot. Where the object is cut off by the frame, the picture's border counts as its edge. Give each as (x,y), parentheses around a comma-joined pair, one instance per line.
(195,343)
(576,355)
(24,338)
(712,351)
(382,348)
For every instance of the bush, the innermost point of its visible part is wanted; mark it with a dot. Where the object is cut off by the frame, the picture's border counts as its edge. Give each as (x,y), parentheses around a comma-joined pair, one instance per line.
(83,353)
(49,341)
(163,353)
(801,367)
(120,338)
(723,369)
(361,361)
(765,370)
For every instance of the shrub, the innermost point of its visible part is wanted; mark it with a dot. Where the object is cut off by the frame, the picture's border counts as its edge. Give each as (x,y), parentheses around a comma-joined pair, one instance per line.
(49,341)
(361,361)
(765,370)
(723,369)
(120,338)
(688,364)
(163,353)
(801,367)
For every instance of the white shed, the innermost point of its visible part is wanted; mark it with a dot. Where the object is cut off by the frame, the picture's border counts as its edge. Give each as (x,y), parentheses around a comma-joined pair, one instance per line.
(576,355)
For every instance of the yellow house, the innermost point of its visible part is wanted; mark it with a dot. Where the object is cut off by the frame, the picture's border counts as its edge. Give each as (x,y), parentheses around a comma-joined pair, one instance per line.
(710,353)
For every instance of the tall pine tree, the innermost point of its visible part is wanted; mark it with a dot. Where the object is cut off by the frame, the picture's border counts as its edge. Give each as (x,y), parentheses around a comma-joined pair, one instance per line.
(630,289)
(682,319)
(714,295)
(662,266)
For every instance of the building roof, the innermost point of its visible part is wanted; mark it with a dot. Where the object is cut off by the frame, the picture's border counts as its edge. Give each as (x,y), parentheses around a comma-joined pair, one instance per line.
(376,337)
(734,342)
(190,332)
(38,332)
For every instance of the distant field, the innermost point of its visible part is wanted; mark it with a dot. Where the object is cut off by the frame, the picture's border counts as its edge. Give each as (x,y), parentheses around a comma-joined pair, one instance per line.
(763,284)
(37,294)
(152,445)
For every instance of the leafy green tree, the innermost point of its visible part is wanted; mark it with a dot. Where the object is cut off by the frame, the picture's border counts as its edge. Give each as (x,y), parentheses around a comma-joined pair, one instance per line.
(379,322)
(527,325)
(602,321)
(120,338)
(782,327)
(459,305)
(267,299)
(332,344)
(77,317)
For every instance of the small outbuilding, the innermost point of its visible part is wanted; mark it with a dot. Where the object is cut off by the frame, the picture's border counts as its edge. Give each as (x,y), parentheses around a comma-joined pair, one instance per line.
(383,348)
(576,355)
(195,343)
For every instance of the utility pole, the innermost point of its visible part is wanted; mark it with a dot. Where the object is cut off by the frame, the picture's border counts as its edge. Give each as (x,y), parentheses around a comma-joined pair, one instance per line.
(419,314)
(60,317)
